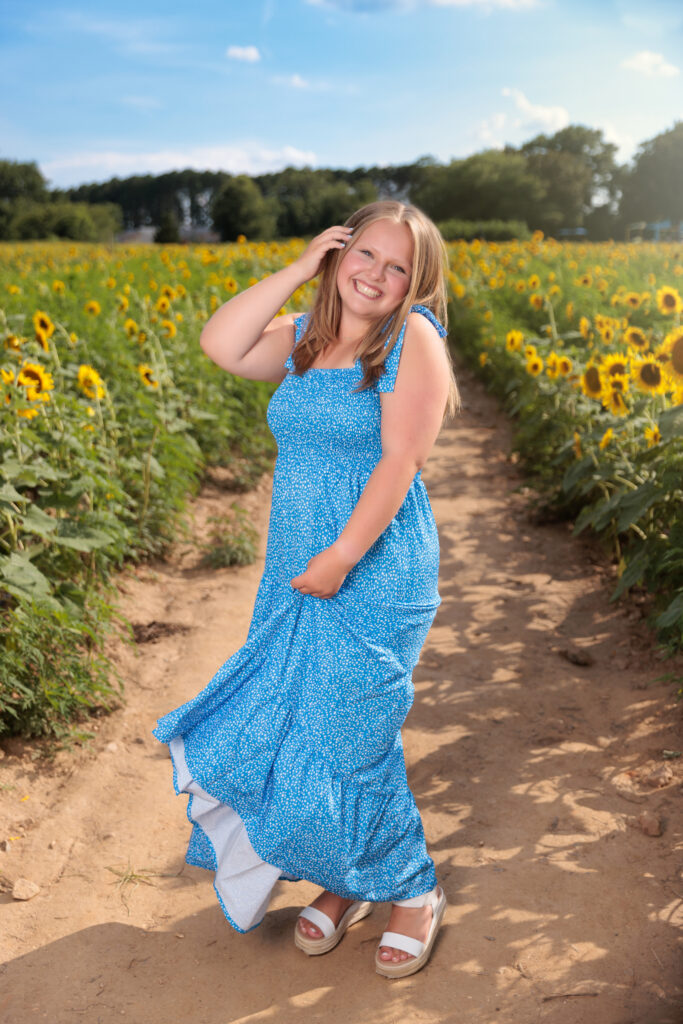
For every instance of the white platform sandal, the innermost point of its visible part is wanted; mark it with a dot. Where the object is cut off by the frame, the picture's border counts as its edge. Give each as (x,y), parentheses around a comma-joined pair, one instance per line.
(331,935)
(420,951)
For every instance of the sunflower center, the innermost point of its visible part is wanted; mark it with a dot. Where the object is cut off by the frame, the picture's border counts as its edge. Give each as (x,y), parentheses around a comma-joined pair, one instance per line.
(677,356)
(592,379)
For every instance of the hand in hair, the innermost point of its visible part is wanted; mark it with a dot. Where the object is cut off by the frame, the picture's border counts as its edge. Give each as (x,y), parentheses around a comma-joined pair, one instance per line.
(332,238)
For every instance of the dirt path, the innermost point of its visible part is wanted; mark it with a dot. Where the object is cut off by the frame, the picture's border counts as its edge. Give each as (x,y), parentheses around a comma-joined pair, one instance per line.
(528,768)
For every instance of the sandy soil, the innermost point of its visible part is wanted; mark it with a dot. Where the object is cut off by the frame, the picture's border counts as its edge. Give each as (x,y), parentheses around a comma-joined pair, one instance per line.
(529,767)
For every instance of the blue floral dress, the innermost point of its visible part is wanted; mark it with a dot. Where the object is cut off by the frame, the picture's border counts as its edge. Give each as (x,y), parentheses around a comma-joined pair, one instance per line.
(292,754)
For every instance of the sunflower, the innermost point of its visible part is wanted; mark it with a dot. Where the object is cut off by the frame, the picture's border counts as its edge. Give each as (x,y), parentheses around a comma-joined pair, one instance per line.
(93,307)
(90,381)
(534,366)
(632,299)
(58,287)
(36,380)
(230,284)
(636,338)
(584,327)
(42,323)
(648,376)
(147,374)
(169,328)
(564,366)
(673,344)
(130,327)
(577,444)
(520,286)
(669,301)
(613,394)
(607,334)
(615,364)
(7,375)
(569,311)
(513,341)
(168,291)
(162,304)
(122,303)
(483,358)
(111,282)
(606,438)
(534,282)
(529,351)
(536,301)
(591,382)
(585,280)
(13,342)
(652,436)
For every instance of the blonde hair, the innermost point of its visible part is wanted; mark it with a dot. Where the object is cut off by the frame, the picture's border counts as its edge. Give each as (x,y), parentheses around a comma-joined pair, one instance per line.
(427,287)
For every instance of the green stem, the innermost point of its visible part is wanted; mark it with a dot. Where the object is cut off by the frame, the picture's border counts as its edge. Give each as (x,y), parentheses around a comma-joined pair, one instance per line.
(147,477)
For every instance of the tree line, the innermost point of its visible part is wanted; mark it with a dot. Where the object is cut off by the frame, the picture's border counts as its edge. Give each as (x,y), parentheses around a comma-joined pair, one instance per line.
(567,180)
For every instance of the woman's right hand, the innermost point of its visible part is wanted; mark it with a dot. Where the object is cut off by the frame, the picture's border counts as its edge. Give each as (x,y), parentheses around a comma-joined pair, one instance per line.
(332,238)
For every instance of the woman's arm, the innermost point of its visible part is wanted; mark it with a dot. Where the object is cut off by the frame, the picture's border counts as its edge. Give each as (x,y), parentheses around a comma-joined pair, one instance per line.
(245,336)
(411,419)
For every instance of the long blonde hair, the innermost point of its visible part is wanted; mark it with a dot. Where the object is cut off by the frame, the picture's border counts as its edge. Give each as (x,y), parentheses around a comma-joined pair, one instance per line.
(427,287)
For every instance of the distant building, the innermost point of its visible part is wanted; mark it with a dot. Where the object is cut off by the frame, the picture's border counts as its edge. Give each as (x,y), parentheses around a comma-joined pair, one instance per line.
(657,231)
(572,232)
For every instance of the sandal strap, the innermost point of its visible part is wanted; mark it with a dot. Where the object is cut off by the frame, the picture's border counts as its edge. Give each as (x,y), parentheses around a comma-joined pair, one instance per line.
(426,899)
(404,942)
(321,920)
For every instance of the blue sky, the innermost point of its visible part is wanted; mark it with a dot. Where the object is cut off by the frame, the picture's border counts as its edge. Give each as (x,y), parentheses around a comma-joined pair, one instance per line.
(147,86)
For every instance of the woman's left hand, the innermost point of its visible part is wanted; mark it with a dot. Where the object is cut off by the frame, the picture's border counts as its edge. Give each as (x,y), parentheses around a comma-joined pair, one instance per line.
(323,575)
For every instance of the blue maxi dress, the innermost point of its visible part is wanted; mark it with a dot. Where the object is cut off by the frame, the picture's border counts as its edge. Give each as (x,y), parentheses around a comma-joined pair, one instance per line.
(292,755)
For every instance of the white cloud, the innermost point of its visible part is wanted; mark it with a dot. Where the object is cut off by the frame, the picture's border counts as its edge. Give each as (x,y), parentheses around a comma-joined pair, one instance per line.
(249,54)
(651,64)
(240,158)
(295,81)
(490,131)
(548,118)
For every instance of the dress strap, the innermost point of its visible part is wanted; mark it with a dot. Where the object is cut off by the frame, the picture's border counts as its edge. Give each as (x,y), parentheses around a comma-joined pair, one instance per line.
(299,327)
(387,381)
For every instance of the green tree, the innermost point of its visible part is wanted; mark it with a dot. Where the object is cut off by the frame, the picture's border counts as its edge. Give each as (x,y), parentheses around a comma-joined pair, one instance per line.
(167,230)
(18,181)
(593,163)
(492,185)
(653,186)
(239,208)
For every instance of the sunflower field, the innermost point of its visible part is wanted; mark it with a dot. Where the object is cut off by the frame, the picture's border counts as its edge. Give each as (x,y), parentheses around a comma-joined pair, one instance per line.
(110,413)
(583,344)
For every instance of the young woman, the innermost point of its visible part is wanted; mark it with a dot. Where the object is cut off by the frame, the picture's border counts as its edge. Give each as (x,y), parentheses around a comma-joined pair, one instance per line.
(292,754)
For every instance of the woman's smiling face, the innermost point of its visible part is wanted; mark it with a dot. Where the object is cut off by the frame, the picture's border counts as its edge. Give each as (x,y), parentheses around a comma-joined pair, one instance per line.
(374,274)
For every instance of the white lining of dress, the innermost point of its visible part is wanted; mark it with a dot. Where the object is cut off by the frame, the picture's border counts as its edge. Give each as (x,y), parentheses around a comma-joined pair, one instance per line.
(243,881)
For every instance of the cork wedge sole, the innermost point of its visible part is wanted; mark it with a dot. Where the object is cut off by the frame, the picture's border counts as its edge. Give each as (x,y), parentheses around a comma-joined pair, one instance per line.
(331,936)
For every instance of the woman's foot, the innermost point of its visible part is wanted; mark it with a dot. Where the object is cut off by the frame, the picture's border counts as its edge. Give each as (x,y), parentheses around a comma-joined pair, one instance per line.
(412,921)
(330,904)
